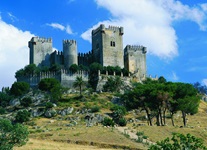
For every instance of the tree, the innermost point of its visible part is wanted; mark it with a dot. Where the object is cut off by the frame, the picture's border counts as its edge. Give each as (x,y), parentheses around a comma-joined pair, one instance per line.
(26,101)
(187,98)
(79,82)
(4,99)
(55,68)
(19,88)
(113,84)
(140,97)
(48,84)
(22,116)
(12,135)
(31,69)
(93,74)
(74,68)
(179,142)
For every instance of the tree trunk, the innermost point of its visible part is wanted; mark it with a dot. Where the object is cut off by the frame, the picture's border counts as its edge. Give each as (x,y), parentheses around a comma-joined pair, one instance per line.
(184,118)
(158,119)
(160,116)
(80,90)
(172,119)
(149,117)
(164,121)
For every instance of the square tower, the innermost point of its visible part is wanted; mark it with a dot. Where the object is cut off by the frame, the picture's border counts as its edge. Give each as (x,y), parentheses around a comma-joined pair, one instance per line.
(107,46)
(40,50)
(135,60)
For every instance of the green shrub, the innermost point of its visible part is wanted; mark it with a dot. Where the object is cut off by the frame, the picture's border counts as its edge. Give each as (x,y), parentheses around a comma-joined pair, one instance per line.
(19,88)
(108,122)
(49,105)
(48,84)
(122,122)
(95,109)
(140,133)
(4,99)
(2,111)
(26,102)
(12,135)
(22,116)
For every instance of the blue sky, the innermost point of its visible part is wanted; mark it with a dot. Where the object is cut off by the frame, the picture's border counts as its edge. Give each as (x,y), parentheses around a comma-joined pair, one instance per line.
(174,32)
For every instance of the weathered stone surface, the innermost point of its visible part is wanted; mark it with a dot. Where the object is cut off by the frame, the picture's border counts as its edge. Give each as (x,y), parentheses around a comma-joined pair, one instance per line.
(66,111)
(14,102)
(50,113)
(36,112)
(93,119)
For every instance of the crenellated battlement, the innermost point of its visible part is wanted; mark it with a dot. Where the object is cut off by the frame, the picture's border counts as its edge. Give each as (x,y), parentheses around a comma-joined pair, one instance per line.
(84,54)
(41,39)
(57,53)
(135,48)
(69,42)
(111,28)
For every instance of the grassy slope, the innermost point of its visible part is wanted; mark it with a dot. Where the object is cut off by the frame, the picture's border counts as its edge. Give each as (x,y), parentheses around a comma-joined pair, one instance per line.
(99,136)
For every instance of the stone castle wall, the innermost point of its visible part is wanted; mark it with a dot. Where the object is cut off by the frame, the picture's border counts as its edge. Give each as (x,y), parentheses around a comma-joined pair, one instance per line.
(135,59)
(40,51)
(107,49)
(107,46)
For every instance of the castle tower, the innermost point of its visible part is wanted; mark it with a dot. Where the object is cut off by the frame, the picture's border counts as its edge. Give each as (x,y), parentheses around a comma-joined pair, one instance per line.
(40,50)
(107,46)
(135,59)
(69,53)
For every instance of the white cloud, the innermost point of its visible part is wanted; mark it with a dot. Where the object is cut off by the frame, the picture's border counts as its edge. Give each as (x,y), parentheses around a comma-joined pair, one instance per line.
(149,23)
(12,17)
(204,81)
(67,28)
(174,76)
(57,26)
(14,52)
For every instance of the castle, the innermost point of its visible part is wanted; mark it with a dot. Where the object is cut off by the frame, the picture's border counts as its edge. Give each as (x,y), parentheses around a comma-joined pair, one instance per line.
(107,49)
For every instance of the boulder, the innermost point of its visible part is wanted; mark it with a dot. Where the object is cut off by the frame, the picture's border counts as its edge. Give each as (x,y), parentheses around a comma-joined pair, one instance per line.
(50,113)
(14,102)
(66,111)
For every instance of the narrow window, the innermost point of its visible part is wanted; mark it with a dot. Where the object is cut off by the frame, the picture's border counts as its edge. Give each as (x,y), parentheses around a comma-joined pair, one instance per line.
(112,44)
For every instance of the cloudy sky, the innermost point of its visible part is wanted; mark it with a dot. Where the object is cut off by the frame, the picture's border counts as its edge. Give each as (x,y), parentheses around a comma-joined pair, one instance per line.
(174,32)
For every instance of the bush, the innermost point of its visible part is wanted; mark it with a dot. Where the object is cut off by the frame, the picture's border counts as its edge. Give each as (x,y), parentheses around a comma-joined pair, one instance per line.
(19,88)
(12,135)
(22,116)
(179,141)
(95,109)
(122,122)
(26,102)
(2,111)
(4,99)
(48,84)
(49,105)
(108,122)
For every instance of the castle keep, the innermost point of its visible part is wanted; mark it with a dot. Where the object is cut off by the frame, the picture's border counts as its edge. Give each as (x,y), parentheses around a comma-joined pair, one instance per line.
(107,49)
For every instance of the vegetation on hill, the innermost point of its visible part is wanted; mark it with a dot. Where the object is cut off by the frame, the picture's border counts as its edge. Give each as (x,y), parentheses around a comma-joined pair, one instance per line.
(158,97)
(159,100)
(12,135)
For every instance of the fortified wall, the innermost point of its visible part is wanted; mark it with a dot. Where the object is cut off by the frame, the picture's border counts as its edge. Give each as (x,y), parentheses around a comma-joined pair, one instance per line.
(107,49)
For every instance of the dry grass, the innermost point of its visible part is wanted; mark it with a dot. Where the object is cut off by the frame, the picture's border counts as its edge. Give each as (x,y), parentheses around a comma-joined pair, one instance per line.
(35,144)
(52,134)
(196,125)
(99,136)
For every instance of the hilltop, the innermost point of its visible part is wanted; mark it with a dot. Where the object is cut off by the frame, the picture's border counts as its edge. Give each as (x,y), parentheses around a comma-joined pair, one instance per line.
(69,126)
